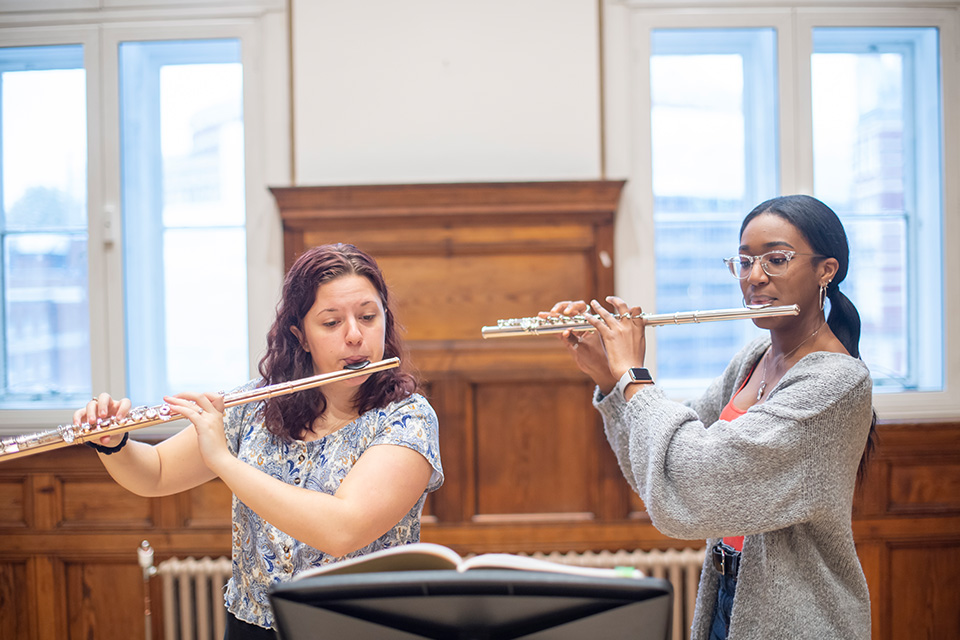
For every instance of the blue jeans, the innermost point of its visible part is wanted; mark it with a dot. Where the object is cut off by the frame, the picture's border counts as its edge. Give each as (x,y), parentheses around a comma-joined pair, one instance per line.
(721,614)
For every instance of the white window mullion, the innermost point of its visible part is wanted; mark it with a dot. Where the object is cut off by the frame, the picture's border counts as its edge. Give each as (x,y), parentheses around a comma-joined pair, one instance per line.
(111,245)
(796,119)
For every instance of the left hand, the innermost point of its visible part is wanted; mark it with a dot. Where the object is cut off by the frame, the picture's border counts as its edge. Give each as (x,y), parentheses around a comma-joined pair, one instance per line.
(624,340)
(205,411)
(584,346)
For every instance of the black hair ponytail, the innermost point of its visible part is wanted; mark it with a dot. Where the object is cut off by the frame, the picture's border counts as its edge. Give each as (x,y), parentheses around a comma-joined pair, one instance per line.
(823,230)
(844,320)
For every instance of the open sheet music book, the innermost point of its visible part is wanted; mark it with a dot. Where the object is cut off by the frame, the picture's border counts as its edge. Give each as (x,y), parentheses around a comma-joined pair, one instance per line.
(426,556)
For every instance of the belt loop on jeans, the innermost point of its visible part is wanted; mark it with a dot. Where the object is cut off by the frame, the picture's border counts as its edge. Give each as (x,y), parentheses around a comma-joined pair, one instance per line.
(726,560)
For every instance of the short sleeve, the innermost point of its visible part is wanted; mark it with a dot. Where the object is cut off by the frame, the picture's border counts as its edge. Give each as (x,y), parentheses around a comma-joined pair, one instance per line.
(412,423)
(235,419)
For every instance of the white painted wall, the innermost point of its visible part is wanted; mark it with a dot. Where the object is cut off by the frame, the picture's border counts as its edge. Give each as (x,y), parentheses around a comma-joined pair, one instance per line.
(445,90)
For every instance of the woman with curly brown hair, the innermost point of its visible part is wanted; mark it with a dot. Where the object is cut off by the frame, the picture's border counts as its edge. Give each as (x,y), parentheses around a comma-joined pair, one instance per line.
(319,475)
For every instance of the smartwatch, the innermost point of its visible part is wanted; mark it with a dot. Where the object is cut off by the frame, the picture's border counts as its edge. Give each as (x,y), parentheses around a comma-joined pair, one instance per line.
(634,375)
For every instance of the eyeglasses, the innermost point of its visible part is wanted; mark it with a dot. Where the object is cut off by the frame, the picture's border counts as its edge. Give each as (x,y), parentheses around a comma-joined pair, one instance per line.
(773,263)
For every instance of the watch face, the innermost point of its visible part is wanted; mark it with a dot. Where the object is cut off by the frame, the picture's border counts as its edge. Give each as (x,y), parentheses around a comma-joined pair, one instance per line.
(638,374)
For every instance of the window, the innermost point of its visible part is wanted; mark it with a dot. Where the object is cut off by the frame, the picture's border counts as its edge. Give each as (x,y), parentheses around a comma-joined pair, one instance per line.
(713,127)
(876,153)
(43,228)
(134,154)
(181,131)
(733,106)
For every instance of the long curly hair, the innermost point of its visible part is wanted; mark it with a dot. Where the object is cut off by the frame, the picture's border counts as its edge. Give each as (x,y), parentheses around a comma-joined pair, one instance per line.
(285,360)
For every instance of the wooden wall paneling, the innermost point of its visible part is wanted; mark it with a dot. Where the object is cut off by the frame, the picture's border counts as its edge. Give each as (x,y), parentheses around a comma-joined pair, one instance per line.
(48,595)
(907,528)
(14,499)
(518,435)
(923,583)
(873,559)
(68,540)
(444,297)
(96,608)
(452,398)
(536,457)
(923,486)
(15,600)
(44,503)
(208,506)
(100,503)
(919,469)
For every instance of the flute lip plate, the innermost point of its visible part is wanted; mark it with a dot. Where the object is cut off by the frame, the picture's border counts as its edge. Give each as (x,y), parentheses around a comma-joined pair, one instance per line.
(357,365)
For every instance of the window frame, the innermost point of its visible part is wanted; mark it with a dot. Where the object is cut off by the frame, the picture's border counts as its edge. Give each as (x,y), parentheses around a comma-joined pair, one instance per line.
(148,288)
(87,36)
(627,29)
(261,31)
(50,60)
(928,366)
(759,115)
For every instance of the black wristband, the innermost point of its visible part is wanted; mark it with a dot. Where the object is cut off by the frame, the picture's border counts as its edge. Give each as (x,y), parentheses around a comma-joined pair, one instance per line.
(109,450)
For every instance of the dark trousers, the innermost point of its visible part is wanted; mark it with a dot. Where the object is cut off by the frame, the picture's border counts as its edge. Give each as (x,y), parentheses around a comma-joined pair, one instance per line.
(720,626)
(240,630)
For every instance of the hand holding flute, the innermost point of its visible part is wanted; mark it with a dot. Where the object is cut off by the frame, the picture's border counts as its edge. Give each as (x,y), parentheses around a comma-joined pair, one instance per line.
(616,342)
(181,461)
(104,408)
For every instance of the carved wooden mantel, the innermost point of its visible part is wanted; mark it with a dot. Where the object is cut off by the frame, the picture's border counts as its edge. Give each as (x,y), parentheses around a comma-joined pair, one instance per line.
(526,466)
(460,256)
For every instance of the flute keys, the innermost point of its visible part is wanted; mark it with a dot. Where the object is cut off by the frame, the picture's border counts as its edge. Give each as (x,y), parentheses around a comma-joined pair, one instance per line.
(529,323)
(68,433)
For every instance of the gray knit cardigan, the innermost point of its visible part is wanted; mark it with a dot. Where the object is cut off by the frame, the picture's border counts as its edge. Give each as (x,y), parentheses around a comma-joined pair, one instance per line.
(782,475)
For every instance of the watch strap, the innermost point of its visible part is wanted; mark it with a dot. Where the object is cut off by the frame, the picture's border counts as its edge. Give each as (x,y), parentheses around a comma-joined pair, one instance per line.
(634,375)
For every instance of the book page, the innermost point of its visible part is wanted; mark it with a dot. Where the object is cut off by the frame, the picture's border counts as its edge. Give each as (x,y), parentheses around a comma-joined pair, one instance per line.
(418,556)
(427,556)
(526,563)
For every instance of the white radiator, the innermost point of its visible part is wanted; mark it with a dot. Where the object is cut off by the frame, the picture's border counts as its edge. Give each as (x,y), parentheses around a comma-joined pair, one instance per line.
(193,606)
(193,589)
(680,568)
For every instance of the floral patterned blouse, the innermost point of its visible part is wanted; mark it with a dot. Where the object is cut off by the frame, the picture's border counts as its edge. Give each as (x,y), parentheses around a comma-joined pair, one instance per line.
(264,555)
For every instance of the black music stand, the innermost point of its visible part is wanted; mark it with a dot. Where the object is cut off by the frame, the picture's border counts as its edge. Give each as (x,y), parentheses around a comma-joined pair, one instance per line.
(474,605)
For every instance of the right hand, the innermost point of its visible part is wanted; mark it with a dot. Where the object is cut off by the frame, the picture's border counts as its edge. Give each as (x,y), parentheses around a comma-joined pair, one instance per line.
(103,406)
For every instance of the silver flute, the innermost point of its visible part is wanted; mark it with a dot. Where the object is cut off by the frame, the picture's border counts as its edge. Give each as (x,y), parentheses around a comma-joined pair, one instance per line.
(141,417)
(537,326)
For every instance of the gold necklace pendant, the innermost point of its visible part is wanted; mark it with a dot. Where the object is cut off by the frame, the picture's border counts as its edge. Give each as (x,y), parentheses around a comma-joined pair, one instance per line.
(763,381)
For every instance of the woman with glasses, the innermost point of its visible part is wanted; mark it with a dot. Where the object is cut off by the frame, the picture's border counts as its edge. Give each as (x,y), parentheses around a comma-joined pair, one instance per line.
(765,463)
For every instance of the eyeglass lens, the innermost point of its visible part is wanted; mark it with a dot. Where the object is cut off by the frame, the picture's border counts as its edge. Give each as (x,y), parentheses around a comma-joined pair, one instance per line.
(773,263)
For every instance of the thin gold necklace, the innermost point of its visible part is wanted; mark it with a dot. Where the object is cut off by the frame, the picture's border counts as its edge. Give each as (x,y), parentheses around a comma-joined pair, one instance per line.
(763,381)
